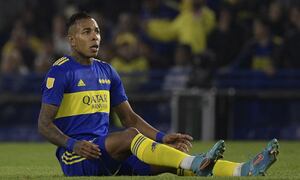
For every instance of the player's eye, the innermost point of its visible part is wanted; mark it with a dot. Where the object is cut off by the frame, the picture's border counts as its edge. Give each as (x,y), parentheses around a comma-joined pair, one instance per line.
(86,31)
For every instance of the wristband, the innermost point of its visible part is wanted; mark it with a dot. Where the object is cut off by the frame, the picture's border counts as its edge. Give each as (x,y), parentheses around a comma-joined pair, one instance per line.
(159,137)
(70,144)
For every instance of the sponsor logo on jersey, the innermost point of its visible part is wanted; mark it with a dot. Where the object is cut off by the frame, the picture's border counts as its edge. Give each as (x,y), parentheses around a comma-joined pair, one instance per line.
(80,83)
(84,102)
(98,101)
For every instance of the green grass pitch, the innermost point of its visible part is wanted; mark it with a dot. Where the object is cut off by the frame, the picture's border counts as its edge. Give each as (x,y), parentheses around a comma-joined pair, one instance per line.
(37,161)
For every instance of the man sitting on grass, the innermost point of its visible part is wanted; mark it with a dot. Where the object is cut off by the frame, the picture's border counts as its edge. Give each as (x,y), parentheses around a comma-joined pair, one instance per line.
(79,91)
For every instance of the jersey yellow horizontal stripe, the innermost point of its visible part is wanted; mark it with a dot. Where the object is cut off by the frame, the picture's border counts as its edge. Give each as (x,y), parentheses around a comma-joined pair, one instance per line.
(85,102)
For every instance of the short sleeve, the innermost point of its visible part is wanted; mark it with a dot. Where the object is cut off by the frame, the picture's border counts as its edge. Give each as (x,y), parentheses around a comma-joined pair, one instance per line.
(54,86)
(117,91)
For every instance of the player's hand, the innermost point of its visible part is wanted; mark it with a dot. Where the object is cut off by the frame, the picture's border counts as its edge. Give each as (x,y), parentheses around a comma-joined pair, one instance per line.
(87,149)
(179,141)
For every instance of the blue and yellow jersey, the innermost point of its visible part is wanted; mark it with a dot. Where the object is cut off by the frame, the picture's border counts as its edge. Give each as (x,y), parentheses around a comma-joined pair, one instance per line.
(84,95)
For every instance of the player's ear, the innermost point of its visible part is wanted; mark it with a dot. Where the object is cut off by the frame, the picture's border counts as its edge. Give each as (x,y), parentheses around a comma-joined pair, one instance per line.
(71,40)
(71,35)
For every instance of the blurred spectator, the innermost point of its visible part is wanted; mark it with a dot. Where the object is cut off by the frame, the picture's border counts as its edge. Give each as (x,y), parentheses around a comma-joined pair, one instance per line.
(61,45)
(178,75)
(190,27)
(293,19)
(27,18)
(247,11)
(277,20)
(226,39)
(158,9)
(45,58)
(106,52)
(261,52)
(128,60)
(155,60)
(202,71)
(27,45)
(166,24)
(12,64)
(164,10)
(126,23)
(290,51)
(106,28)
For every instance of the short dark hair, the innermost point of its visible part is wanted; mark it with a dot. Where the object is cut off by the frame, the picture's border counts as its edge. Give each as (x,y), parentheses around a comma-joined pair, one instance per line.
(75,17)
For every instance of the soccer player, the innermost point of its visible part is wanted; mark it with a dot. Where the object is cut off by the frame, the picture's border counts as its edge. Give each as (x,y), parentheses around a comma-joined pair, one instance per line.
(77,96)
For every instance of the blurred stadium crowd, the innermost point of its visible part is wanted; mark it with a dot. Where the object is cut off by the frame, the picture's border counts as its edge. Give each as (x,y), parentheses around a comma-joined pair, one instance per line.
(185,43)
(163,46)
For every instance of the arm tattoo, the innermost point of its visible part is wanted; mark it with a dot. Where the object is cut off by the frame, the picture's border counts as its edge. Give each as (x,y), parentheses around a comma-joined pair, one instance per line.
(47,128)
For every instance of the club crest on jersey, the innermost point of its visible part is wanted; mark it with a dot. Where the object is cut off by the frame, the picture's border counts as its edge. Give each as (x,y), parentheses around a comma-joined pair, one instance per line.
(50,82)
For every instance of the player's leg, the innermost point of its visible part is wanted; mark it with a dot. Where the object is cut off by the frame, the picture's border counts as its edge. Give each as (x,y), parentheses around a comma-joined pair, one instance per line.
(158,154)
(109,162)
(74,165)
(254,167)
(119,145)
(114,148)
(134,166)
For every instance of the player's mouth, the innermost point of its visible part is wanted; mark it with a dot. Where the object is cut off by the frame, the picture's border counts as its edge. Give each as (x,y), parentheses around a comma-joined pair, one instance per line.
(94,47)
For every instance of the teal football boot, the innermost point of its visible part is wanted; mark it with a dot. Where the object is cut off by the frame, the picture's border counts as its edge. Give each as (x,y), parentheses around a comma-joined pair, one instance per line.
(203,164)
(258,165)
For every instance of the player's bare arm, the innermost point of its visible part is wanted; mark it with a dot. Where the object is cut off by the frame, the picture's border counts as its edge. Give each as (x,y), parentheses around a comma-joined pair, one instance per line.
(48,129)
(130,119)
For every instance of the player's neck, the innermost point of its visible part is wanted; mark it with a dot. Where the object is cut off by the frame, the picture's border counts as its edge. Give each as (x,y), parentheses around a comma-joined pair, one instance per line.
(81,59)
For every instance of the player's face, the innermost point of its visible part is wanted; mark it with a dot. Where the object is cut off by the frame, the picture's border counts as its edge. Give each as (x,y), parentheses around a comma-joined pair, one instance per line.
(86,38)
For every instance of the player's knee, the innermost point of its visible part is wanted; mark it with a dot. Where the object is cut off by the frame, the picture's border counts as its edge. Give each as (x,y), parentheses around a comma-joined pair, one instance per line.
(131,133)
